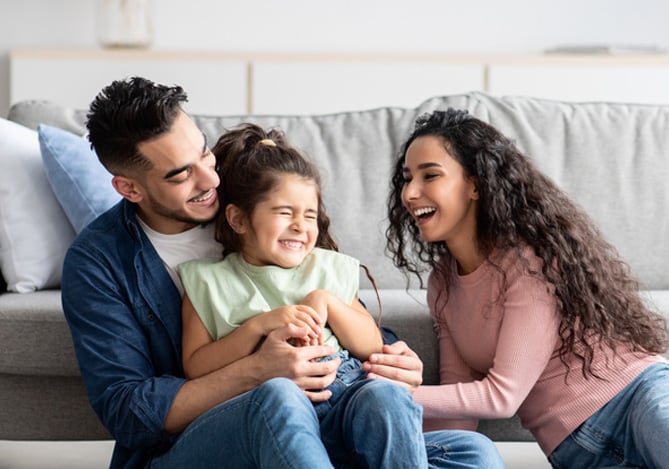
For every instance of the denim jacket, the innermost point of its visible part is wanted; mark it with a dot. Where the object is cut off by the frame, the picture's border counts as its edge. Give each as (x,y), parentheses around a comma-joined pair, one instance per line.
(124,312)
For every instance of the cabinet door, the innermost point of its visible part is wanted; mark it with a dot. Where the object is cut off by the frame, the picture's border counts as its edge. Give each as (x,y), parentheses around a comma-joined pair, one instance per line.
(325,87)
(634,83)
(213,86)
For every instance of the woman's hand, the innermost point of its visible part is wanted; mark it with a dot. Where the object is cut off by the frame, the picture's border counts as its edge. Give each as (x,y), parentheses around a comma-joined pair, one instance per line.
(397,363)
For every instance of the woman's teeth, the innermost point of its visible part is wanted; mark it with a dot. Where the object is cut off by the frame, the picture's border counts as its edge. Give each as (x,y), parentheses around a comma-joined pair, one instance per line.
(423,211)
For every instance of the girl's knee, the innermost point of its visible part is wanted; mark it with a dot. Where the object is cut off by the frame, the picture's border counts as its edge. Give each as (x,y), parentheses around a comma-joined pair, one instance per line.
(281,391)
(381,389)
(386,396)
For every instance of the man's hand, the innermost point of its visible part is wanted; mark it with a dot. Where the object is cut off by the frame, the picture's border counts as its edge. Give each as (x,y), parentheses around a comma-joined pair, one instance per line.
(397,363)
(278,358)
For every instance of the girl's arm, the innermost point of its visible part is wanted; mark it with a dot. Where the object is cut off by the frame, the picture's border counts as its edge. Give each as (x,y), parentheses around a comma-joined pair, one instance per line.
(352,324)
(202,354)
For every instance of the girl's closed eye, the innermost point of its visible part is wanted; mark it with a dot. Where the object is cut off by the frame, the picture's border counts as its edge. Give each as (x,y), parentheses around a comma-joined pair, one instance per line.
(283,211)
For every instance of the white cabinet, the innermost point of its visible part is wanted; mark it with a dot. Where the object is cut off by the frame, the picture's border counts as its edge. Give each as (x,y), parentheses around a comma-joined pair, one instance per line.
(238,83)
(609,81)
(214,86)
(311,87)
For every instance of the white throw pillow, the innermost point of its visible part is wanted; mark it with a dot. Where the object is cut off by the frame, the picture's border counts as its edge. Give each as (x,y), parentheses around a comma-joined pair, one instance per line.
(34,231)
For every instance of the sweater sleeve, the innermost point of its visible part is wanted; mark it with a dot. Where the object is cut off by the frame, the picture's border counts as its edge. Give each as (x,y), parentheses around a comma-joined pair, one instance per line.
(490,365)
(452,369)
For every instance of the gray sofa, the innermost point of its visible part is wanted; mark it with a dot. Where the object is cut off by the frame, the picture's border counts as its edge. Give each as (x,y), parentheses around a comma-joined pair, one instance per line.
(612,158)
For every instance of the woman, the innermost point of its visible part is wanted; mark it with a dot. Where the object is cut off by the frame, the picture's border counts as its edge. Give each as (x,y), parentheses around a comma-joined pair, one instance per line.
(535,312)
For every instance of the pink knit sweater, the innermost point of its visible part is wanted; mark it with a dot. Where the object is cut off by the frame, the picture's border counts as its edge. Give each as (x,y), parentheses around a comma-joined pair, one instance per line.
(498,357)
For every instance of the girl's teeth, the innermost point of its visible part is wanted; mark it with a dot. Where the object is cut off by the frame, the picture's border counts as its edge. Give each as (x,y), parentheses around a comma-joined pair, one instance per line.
(292,244)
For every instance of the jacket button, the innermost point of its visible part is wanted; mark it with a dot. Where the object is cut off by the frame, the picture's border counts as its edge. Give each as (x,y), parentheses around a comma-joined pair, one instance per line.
(151,317)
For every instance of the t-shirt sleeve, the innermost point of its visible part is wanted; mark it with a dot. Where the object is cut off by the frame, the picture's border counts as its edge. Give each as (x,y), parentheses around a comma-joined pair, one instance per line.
(343,276)
(194,275)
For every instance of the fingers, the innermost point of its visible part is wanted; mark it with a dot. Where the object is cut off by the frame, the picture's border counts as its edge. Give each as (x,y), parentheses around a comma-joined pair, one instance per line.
(315,376)
(314,352)
(411,377)
(289,331)
(307,317)
(277,357)
(318,396)
(397,363)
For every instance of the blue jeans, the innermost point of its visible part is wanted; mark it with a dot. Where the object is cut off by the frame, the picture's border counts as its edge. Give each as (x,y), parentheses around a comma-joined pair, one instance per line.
(275,426)
(370,423)
(631,430)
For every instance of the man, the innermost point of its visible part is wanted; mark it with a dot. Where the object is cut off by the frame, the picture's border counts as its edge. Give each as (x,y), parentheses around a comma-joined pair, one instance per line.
(122,300)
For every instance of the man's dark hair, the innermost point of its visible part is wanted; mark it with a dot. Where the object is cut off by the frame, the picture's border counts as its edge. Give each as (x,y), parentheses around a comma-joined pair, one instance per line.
(126,113)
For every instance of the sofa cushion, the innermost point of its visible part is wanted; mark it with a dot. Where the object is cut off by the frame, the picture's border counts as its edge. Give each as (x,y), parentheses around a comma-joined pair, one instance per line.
(81,184)
(34,232)
(34,337)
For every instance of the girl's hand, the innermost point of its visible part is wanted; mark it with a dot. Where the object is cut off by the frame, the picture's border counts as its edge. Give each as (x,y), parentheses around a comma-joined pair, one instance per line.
(397,363)
(301,316)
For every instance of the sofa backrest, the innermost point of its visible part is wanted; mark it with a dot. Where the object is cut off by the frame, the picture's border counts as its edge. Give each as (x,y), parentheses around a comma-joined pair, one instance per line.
(613,159)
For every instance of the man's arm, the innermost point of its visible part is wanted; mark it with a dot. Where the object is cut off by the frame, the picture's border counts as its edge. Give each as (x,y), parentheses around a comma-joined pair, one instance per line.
(276,357)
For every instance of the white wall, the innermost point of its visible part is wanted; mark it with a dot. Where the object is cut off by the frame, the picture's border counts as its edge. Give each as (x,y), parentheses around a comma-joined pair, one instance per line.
(385,26)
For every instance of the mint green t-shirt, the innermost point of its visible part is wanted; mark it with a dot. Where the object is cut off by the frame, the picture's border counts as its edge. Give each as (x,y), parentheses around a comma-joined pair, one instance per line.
(226,293)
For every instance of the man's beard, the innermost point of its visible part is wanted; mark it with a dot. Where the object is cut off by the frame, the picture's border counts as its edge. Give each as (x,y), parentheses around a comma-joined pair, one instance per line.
(177,215)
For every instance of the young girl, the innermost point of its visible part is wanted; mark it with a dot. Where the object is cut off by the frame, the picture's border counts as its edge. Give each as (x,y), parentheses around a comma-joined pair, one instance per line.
(535,313)
(281,266)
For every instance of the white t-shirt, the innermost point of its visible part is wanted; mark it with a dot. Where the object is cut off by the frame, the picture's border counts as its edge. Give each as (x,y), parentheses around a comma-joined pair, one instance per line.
(174,249)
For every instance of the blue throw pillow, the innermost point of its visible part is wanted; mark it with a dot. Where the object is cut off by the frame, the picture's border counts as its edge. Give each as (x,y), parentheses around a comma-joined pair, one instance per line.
(81,184)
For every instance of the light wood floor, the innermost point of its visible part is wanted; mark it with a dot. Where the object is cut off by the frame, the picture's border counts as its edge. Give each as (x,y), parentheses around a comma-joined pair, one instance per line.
(96,454)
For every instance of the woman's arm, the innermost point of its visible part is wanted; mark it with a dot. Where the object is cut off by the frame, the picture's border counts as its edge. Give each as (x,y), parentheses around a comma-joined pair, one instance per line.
(490,360)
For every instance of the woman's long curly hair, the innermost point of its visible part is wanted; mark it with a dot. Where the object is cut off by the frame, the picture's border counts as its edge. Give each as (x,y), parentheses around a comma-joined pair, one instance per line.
(596,295)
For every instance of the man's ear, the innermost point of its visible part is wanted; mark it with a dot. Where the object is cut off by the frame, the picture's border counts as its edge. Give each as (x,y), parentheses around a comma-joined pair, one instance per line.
(128,188)
(236,218)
